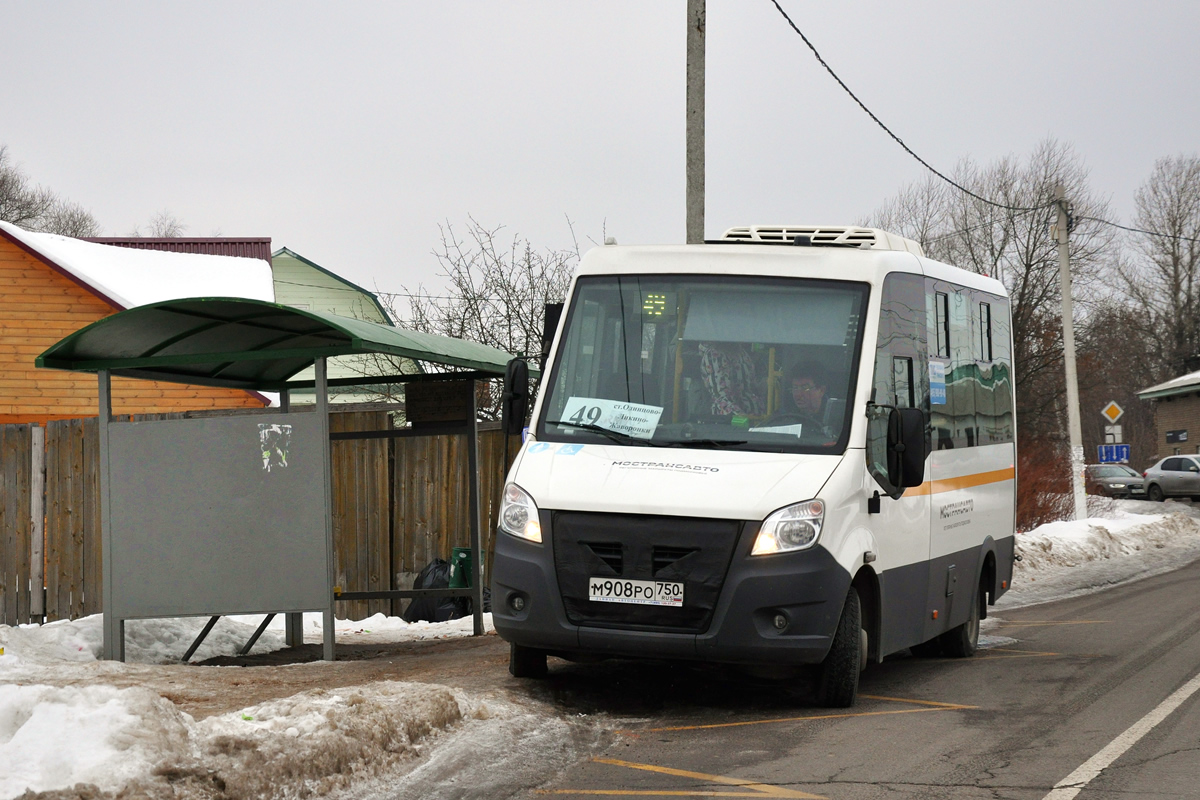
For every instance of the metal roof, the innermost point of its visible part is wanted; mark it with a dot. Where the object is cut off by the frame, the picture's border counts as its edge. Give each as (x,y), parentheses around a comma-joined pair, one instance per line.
(1184,384)
(243,246)
(245,344)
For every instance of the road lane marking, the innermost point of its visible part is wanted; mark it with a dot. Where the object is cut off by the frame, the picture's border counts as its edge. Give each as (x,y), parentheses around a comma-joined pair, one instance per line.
(947,706)
(1008,653)
(929,705)
(1074,783)
(757,789)
(1039,624)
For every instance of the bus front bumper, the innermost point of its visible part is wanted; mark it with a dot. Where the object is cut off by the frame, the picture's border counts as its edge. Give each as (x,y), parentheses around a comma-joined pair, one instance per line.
(806,589)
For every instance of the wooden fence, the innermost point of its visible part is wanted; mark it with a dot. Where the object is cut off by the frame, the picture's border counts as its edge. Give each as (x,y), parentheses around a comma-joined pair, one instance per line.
(397,504)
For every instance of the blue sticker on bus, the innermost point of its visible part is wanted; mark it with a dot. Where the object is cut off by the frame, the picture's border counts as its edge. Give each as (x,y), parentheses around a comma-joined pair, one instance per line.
(569,449)
(539,447)
(937,383)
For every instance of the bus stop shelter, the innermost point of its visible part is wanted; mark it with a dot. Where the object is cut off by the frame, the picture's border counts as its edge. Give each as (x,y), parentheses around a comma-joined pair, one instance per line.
(232,515)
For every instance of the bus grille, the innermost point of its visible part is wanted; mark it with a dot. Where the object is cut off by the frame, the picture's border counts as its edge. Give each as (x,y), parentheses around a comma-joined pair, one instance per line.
(641,547)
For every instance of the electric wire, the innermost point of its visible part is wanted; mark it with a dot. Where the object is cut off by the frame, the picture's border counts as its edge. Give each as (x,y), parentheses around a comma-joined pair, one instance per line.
(888,131)
(1139,230)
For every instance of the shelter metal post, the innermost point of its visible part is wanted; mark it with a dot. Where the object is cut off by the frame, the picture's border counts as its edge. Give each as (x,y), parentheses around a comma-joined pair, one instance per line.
(293,621)
(114,628)
(322,389)
(476,528)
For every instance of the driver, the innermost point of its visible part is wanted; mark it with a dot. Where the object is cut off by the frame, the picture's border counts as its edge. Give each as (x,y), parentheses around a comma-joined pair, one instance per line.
(805,385)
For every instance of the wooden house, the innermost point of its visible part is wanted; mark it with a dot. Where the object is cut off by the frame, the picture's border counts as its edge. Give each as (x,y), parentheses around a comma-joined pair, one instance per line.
(51,286)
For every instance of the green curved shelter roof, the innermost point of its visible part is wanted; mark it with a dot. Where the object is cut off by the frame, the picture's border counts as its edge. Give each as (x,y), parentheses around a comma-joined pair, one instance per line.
(245,344)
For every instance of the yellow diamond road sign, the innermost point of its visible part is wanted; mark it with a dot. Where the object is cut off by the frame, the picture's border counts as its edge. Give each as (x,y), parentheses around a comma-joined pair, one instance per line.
(1112,412)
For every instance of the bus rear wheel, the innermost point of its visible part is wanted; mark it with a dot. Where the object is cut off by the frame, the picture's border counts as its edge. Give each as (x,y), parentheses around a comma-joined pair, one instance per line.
(963,641)
(838,683)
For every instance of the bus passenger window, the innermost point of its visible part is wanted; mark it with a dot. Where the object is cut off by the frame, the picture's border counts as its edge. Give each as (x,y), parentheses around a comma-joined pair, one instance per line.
(942,320)
(985,332)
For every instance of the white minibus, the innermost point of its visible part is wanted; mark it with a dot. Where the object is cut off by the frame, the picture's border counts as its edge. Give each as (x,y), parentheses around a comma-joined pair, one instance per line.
(788,446)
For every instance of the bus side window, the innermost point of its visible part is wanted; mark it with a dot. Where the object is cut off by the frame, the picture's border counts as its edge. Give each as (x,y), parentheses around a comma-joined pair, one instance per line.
(901,363)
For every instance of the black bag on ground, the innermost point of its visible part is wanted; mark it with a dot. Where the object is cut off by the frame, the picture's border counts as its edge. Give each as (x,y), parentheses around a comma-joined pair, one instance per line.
(435,575)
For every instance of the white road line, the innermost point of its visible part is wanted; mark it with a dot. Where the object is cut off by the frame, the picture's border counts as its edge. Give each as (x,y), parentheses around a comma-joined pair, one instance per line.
(1074,783)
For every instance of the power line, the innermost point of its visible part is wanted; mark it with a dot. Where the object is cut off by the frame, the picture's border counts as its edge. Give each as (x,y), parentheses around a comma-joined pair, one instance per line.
(888,131)
(1139,230)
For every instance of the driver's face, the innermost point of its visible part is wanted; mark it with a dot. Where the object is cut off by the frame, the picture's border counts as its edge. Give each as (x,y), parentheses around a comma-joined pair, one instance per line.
(807,395)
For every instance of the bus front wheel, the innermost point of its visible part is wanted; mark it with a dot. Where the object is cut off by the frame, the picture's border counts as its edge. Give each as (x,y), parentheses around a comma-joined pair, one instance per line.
(526,662)
(838,683)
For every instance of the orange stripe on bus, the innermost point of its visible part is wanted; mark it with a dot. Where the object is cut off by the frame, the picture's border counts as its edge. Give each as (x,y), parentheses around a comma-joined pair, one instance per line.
(965,482)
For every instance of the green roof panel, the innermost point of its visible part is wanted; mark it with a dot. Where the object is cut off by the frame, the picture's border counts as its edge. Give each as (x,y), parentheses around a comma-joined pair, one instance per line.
(245,344)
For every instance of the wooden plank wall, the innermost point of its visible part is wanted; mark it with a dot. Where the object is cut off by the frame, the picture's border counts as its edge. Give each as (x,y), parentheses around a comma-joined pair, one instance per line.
(73,556)
(362,546)
(397,504)
(15,472)
(431,496)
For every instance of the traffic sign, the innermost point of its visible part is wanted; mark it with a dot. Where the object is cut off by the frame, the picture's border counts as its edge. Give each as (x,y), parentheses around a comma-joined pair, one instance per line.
(1113,454)
(1112,412)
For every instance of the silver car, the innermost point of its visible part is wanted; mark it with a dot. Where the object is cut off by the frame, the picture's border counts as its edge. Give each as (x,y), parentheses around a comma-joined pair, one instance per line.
(1174,476)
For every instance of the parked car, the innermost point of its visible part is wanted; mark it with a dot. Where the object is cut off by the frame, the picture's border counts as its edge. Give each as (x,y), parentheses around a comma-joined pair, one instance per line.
(1113,480)
(1174,476)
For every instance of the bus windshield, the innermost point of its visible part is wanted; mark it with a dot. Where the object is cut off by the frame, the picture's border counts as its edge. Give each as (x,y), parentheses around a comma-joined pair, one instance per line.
(718,361)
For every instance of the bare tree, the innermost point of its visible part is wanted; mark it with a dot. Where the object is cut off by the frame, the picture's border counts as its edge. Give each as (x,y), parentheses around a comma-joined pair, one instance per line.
(163,225)
(497,288)
(1015,247)
(70,219)
(37,208)
(1163,278)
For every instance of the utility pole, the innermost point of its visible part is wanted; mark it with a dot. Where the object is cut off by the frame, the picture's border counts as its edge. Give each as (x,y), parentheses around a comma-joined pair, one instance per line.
(1068,324)
(695,121)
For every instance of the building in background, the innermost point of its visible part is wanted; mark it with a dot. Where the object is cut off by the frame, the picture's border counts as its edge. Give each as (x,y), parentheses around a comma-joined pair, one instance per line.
(51,286)
(1176,415)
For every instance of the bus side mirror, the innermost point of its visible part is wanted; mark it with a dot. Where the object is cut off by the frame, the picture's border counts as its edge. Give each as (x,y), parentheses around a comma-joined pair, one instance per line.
(906,447)
(514,403)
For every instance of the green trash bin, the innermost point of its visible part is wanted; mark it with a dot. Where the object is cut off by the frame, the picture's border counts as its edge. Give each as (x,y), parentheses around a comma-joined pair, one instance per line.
(460,568)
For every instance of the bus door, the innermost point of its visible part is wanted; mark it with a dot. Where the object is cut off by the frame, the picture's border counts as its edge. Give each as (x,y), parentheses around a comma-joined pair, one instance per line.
(901,526)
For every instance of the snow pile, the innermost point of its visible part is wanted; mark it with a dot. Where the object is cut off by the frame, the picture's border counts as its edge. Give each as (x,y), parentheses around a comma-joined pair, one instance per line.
(1069,544)
(135,741)
(164,641)
(1123,540)
(101,735)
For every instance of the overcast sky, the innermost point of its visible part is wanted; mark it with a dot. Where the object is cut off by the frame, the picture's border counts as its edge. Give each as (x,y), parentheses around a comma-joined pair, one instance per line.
(348,131)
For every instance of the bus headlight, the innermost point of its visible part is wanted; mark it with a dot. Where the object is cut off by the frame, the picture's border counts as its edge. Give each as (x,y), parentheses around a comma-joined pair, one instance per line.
(793,527)
(519,514)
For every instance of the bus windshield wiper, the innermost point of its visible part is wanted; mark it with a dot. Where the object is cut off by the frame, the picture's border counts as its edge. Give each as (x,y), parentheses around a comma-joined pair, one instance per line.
(616,436)
(714,444)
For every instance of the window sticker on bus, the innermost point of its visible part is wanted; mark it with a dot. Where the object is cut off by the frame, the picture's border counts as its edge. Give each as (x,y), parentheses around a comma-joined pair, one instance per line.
(633,419)
(793,429)
(937,383)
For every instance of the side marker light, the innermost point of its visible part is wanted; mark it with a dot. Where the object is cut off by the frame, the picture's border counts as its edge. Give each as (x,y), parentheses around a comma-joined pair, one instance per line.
(935,615)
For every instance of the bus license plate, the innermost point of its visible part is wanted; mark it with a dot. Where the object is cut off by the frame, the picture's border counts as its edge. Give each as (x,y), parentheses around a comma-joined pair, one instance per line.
(645,593)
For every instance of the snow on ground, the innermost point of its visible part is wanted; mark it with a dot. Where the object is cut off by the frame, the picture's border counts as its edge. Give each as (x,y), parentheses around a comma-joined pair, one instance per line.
(62,725)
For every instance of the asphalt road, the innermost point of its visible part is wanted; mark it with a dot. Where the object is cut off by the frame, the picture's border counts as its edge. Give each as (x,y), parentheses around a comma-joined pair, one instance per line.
(1072,690)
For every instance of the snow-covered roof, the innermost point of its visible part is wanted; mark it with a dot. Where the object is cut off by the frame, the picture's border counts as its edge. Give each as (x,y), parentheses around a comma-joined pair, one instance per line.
(129,277)
(1181,385)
